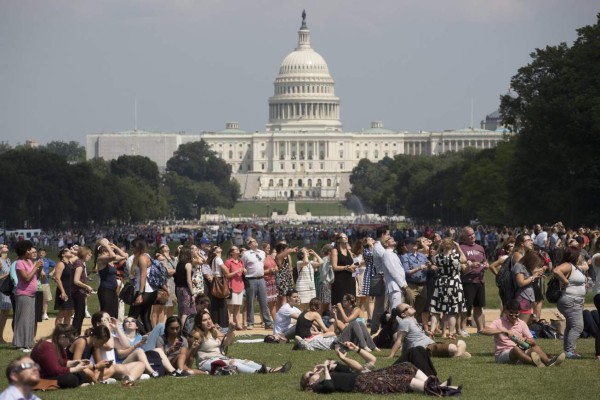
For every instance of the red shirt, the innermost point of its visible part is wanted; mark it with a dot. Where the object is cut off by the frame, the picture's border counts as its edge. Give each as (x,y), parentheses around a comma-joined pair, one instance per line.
(44,353)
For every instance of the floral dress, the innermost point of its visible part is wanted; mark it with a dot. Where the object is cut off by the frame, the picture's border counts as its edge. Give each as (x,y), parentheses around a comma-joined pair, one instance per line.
(197,280)
(448,296)
(284,278)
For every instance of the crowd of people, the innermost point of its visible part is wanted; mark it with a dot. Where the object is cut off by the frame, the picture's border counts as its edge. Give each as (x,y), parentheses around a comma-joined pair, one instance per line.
(407,290)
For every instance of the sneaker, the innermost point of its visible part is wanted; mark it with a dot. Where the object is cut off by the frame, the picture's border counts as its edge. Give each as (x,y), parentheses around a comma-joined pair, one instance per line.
(154,374)
(556,360)
(249,327)
(466,355)
(109,381)
(285,367)
(45,317)
(25,350)
(87,314)
(464,333)
(178,374)
(144,377)
(535,357)
(300,343)
(573,355)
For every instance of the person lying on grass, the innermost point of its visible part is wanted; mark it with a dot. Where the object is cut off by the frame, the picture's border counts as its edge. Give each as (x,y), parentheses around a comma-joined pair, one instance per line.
(514,342)
(352,376)
(410,335)
(208,342)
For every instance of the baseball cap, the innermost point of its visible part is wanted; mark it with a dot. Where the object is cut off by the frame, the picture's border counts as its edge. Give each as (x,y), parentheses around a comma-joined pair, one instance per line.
(204,240)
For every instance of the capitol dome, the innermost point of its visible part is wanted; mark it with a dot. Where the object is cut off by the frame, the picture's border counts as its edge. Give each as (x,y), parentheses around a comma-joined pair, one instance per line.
(304,98)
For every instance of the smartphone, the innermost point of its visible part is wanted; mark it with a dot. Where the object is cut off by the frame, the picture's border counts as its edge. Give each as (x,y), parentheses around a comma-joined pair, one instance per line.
(110,362)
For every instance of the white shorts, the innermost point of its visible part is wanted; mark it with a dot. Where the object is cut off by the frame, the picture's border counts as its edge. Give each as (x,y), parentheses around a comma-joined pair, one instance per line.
(237,299)
(504,357)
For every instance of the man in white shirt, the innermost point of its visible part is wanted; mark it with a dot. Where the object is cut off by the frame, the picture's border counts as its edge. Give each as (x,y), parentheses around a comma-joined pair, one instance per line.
(284,327)
(381,235)
(395,281)
(23,374)
(253,260)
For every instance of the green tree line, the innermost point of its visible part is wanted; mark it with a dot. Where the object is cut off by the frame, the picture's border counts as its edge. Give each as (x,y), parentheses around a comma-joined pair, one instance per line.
(548,170)
(48,188)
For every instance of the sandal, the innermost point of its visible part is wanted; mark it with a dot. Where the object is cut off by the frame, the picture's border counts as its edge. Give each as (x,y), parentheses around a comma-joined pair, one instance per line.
(451,336)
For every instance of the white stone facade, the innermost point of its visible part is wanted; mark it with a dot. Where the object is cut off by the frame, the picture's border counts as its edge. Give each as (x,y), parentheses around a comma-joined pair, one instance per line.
(304,151)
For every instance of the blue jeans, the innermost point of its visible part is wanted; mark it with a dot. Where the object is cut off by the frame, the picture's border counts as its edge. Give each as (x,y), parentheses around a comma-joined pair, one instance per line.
(257,288)
(572,309)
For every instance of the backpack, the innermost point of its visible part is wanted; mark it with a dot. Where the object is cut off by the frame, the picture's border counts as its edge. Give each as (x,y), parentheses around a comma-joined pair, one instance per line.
(327,272)
(504,281)
(157,274)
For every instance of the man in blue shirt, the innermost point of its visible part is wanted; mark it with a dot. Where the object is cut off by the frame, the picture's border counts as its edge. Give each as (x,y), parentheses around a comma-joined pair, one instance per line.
(48,263)
(415,266)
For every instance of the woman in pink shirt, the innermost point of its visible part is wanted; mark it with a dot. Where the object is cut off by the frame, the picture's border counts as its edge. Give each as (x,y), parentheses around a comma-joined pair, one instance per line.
(25,296)
(234,271)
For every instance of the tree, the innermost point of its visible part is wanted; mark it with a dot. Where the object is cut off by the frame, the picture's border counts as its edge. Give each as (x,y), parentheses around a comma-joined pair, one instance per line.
(4,147)
(555,105)
(199,164)
(136,166)
(73,152)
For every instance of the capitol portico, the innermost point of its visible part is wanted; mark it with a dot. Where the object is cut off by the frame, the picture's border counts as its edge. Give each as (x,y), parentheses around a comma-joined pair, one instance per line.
(303,152)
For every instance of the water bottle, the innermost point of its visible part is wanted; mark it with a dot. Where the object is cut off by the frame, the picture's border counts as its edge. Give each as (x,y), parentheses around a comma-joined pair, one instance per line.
(523,345)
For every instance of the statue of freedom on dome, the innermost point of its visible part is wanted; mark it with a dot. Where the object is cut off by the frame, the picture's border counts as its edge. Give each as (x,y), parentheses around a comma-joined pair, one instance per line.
(303,16)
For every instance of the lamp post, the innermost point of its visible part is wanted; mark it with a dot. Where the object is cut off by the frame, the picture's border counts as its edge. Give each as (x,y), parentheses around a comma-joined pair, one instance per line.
(268,209)
(340,211)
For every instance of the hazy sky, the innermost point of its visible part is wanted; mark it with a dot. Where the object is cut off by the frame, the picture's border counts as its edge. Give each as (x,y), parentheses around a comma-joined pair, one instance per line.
(69,68)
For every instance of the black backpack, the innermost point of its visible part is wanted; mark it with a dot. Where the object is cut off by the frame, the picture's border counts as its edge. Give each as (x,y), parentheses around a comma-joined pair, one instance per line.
(504,281)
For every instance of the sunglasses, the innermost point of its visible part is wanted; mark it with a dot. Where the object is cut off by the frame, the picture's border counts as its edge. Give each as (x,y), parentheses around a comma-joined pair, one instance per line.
(405,310)
(129,321)
(25,366)
(513,314)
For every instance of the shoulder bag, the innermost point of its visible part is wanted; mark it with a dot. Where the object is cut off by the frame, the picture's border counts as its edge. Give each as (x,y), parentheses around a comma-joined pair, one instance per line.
(220,288)
(377,284)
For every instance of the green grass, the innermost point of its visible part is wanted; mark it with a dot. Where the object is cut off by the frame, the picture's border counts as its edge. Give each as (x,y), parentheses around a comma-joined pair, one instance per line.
(259,208)
(481,377)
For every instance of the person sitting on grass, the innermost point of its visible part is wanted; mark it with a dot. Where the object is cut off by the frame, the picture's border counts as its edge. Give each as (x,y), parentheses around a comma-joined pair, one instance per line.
(113,349)
(410,335)
(311,332)
(51,356)
(284,326)
(351,376)
(175,346)
(514,342)
(207,350)
(129,347)
(349,323)
(90,347)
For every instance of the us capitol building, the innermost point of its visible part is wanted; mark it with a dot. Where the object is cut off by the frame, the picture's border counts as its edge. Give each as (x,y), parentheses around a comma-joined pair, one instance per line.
(304,152)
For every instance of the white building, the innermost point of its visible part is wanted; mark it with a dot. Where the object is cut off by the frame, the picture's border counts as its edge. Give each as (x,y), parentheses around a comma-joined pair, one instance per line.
(303,152)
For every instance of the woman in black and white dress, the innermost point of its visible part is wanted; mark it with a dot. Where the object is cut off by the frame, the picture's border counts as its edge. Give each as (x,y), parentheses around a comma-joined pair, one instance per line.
(448,296)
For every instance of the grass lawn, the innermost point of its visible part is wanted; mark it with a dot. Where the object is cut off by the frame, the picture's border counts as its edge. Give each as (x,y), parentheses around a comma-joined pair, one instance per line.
(259,208)
(481,377)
